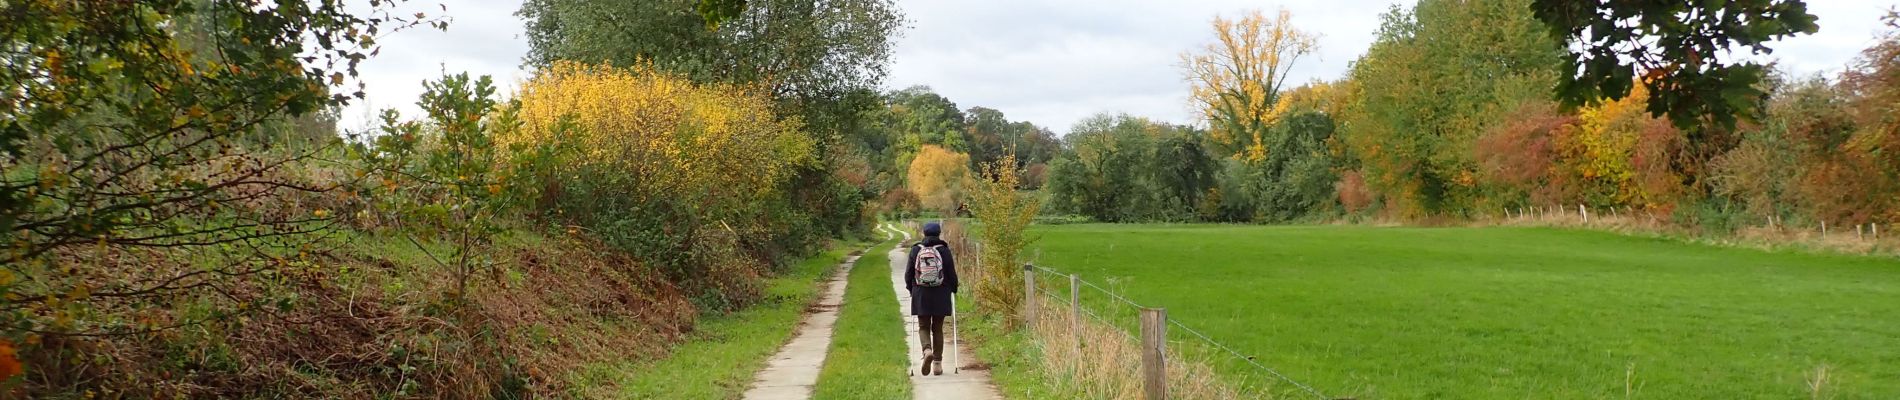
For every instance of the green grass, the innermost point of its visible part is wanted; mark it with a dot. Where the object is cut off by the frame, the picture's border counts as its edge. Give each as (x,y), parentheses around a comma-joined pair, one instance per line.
(867,358)
(1506,313)
(719,360)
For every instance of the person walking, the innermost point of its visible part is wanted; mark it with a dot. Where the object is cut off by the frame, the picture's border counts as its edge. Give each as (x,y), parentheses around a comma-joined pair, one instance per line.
(931,277)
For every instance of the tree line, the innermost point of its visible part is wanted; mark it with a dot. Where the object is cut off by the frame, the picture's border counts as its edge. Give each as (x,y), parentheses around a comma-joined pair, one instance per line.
(1467,109)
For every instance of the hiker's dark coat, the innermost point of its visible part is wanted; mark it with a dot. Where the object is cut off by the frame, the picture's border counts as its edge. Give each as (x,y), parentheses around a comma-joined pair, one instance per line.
(931,300)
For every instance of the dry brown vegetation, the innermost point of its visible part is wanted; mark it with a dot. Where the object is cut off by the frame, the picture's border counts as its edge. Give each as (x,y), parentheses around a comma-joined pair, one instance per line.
(1852,239)
(371,320)
(1099,360)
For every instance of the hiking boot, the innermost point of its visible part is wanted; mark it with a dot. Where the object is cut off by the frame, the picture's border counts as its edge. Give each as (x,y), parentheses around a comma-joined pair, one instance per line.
(926,364)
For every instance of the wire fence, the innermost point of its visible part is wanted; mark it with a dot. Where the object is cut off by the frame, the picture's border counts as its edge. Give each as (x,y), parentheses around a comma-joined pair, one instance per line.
(1126,304)
(1048,295)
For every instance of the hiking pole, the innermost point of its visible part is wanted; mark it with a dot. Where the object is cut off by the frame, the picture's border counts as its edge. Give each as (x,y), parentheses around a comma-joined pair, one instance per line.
(956,356)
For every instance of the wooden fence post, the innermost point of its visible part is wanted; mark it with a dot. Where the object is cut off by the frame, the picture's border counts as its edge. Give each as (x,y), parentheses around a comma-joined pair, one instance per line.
(1029,295)
(1154,351)
(1075,311)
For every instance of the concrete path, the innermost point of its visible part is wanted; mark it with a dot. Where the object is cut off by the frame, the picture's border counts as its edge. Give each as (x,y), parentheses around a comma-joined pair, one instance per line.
(959,383)
(790,374)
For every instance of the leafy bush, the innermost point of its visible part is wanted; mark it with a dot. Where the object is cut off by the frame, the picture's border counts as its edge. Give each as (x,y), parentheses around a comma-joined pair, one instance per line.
(691,177)
(1005,214)
(438,178)
(1520,158)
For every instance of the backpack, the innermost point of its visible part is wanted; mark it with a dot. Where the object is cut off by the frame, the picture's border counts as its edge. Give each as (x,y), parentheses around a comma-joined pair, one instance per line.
(929,266)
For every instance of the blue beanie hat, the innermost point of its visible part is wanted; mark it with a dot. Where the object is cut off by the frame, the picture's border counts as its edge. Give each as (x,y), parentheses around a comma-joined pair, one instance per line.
(932,229)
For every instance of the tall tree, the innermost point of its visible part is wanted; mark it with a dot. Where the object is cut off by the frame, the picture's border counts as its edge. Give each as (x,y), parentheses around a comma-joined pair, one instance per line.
(800,49)
(1185,168)
(919,116)
(1037,145)
(1435,78)
(989,134)
(938,177)
(1236,80)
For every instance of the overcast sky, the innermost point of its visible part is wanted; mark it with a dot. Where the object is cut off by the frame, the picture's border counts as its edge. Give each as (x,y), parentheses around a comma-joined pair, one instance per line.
(1051,62)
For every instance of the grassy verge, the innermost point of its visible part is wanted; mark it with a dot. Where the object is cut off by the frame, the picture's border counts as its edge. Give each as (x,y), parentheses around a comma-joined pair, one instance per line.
(725,350)
(867,359)
(1012,358)
(1495,313)
(1093,362)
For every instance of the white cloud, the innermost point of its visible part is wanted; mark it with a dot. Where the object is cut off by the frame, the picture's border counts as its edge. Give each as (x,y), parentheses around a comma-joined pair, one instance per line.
(1052,62)
(483,38)
(1847,27)
(1055,62)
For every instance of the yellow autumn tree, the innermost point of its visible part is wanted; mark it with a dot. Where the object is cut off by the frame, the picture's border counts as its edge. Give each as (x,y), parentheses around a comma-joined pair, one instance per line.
(720,142)
(938,176)
(1005,212)
(1236,80)
(1620,154)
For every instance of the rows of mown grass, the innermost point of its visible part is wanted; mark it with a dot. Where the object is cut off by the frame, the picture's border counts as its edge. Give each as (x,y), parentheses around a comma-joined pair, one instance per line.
(1508,313)
(867,359)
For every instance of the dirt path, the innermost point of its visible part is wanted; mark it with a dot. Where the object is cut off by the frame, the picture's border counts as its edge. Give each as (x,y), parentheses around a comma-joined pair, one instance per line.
(790,374)
(963,383)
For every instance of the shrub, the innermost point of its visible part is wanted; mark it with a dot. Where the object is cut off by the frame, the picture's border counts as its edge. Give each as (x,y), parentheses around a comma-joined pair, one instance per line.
(438,177)
(1519,158)
(691,177)
(1353,194)
(1005,214)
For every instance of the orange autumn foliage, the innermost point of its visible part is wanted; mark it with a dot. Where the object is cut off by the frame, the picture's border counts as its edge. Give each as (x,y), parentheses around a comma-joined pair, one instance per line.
(9,361)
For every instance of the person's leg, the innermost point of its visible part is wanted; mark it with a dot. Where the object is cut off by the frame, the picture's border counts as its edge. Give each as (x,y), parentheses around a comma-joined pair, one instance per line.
(923,332)
(936,336)
(936,340)
(923,335)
